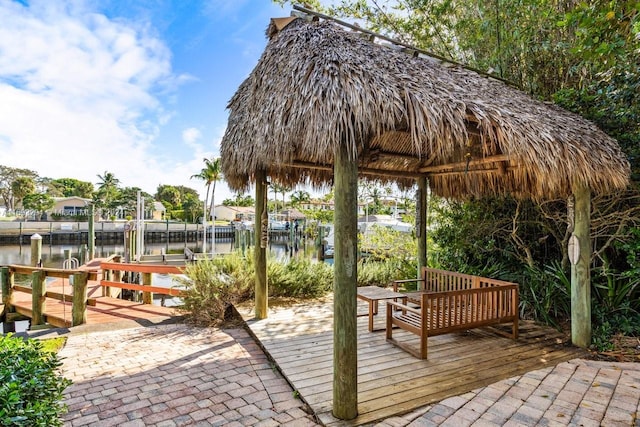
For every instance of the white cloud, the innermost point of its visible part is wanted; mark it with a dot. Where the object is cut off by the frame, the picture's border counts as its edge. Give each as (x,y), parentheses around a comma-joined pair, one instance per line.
(81,94)
(191,135)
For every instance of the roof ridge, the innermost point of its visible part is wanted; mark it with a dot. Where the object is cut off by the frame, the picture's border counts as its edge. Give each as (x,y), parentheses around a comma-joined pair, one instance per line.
(303,13)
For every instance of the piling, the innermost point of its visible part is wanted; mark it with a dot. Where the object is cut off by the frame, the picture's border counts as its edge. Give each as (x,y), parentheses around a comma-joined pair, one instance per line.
(147,297)
(38,291)
(36,250)
(79,300)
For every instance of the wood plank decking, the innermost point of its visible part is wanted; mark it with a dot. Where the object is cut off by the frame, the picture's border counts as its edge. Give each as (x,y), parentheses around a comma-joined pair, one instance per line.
(390,381)
(106,309)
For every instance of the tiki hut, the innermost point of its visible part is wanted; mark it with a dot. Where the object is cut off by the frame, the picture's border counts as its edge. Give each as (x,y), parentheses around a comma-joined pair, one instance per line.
(328,103)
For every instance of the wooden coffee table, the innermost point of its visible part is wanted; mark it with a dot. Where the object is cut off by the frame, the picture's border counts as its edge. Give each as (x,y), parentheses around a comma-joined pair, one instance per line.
(374,294)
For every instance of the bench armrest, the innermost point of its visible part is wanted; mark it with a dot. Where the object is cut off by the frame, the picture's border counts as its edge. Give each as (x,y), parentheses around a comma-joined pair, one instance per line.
(404,307)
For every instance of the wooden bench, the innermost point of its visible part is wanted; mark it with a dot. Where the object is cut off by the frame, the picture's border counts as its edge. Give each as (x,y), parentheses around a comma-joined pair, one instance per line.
(449,302)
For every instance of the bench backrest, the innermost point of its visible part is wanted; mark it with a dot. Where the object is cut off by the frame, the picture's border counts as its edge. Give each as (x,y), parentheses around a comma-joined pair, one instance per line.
(470,307)
(435,280)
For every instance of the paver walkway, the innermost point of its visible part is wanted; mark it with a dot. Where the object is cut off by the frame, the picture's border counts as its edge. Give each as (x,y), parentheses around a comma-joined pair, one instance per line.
(172,375)
(575,393)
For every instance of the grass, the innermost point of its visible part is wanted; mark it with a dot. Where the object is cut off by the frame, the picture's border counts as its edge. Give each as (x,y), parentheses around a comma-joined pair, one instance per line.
(53,345)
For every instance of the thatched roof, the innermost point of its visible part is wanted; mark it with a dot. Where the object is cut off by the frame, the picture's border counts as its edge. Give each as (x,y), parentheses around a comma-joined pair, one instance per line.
(318,85)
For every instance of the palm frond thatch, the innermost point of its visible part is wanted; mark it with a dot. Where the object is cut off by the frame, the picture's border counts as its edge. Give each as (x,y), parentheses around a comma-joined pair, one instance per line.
(318,85)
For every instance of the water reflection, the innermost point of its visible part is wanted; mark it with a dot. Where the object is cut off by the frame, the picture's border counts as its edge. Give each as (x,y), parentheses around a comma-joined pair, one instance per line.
(53,256)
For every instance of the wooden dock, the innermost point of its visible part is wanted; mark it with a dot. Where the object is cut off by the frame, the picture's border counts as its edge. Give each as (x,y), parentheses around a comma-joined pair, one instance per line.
(100,309)
(391,382)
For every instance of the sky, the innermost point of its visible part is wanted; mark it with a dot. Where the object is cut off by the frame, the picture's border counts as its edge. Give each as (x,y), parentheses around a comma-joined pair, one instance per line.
(137,88)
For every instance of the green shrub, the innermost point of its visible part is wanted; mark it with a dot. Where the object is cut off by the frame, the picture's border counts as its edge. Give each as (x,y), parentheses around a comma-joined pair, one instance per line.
(545,293)
(384,272)
(607,324)
(210,291)
(30,385)
(299,278)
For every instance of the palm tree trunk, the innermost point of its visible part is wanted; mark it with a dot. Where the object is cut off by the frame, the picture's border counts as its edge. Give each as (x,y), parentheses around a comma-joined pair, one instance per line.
(212,212)
(204,220)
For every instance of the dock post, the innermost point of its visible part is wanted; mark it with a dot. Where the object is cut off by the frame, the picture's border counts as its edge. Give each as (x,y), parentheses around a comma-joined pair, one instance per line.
(6,280)
(36,250)
(147,280)
(38,291)
(108,276)
(91,234)
(79,299)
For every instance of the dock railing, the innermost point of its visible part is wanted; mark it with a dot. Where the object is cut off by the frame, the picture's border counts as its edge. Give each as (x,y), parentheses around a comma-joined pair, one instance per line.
(77,278)
(113,277)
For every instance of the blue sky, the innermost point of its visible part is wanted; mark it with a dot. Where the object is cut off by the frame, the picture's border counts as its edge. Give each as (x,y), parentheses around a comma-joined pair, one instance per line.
(137,88)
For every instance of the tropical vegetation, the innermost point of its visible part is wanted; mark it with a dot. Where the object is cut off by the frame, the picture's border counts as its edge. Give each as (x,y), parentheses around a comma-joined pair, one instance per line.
(31,386)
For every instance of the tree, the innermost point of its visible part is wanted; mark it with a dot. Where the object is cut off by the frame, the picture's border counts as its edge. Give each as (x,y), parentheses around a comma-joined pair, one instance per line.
(7,176)
(22,187)
(240,200)
(192,207)
(70,187)
(210,174)
(278,188)
(39,202)
(108,191)
(128,200)
(300,196)
(170,196)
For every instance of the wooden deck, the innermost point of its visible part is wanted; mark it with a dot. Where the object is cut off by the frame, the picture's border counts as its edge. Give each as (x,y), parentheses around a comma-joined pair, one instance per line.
(106,309)
(390,381)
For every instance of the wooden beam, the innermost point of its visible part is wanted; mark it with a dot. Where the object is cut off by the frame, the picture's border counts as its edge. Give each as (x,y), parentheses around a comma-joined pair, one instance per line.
(580,269)
(52,272)
(361,170)
(144,288)
(450,166)
(499,170)
(345,333)
(142,268)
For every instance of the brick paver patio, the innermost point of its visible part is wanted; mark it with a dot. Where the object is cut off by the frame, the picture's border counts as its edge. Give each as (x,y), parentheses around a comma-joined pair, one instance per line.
(174,375)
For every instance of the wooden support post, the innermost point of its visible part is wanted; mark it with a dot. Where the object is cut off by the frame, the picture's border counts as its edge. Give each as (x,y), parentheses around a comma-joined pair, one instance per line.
(345,334)
(38,290)
(117,277)
(421,223)
(91,234)
(260,250)
(6,281)
(147,280)
(79,300)
(580,269)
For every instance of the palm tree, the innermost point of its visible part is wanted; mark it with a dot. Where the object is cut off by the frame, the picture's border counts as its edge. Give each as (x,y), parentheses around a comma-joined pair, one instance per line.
(107,190)
(277,188)
(108,181)
(300,196)
(210,174)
